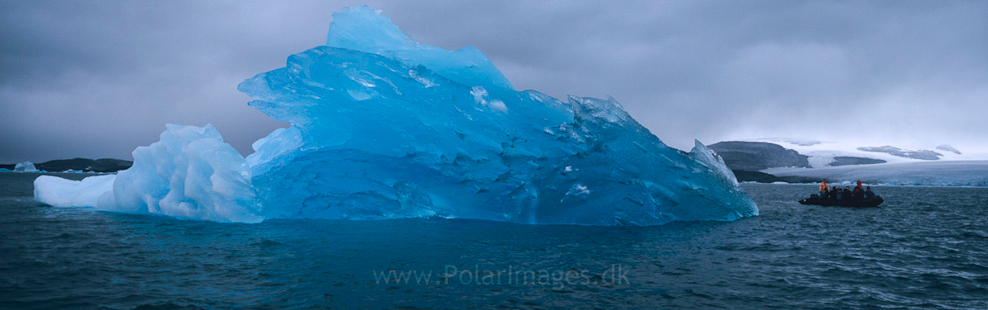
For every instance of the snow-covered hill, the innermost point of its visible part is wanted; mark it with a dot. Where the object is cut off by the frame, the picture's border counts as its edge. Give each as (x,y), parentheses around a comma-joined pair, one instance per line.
(823,153)
(881,164)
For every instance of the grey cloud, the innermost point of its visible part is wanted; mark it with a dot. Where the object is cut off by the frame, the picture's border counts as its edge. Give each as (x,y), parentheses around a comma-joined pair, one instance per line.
(97,79)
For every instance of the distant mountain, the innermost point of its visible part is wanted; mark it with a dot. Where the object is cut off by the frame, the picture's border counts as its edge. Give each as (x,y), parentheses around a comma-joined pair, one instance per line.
(948,148)
(783,161)
(80,164)
(754,156)
(921,154)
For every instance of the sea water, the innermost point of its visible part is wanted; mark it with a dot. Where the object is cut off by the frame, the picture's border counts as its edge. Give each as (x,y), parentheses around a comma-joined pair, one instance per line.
(926,247)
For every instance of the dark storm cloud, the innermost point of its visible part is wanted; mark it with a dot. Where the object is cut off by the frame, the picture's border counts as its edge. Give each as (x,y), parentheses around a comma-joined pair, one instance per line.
(97,79)
(910,73)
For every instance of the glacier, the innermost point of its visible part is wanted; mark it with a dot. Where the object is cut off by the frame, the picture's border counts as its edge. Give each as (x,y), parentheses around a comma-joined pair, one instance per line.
(384,127)
(963,173)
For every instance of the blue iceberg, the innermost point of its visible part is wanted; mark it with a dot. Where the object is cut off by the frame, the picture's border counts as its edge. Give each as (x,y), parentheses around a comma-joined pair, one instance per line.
(383,127)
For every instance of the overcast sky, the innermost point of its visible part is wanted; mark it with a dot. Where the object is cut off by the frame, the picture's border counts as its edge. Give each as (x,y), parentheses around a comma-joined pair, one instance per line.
(98,78)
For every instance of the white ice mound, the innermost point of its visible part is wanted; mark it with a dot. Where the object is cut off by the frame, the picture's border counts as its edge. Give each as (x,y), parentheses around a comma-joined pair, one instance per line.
(61,192)
(25,167)
(189,173)
(384,127)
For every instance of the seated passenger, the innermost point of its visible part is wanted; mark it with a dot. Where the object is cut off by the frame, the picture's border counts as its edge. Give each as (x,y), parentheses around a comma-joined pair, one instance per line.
(869,193)
(846,193)
(858,192)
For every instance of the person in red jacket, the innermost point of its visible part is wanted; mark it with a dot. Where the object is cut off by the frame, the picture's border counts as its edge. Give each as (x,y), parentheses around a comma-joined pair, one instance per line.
(858,192)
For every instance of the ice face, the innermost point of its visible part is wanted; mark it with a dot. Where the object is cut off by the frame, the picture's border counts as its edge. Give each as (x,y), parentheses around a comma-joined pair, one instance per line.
(60,192)
(364,30)
(384,127)
(189,173)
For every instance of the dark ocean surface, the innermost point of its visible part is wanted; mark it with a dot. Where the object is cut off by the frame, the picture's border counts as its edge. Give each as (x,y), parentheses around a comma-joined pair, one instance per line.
(926,247)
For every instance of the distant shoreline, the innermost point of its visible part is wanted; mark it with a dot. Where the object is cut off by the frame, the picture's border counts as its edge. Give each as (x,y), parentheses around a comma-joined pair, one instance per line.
(102,165)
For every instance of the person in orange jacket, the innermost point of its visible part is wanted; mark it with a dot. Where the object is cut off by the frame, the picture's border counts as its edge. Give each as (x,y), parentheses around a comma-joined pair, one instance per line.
(824,188)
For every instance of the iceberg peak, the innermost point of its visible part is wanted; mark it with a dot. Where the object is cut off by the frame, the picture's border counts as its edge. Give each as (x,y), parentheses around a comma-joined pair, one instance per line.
(363,29)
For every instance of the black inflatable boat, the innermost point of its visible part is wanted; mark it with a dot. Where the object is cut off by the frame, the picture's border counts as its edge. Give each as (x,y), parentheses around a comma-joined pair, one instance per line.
(851,203)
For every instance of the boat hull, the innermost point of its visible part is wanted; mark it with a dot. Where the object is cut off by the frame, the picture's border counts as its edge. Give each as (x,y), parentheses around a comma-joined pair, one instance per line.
(853,203)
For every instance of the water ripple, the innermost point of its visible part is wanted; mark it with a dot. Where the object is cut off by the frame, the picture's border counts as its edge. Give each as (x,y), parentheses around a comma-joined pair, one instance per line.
(927,248)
